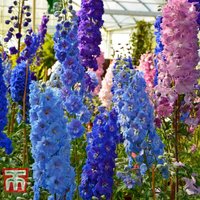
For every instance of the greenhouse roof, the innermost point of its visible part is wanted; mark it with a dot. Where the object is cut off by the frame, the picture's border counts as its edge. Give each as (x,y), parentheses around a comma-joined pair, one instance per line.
(122,14)
(119,14)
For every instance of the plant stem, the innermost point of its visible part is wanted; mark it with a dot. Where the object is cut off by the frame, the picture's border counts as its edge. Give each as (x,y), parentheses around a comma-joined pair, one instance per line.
(9,122)
(172,188)
(153,183)
(20,18)
(55,198)
(165,183)
(46,74)
(176,127)
(77,171)
(25,151)
(13,108)
(25,148)
(12,118)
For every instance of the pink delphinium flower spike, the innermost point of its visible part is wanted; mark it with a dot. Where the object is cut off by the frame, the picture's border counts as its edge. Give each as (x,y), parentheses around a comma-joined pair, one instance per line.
(105,93)
(99,73)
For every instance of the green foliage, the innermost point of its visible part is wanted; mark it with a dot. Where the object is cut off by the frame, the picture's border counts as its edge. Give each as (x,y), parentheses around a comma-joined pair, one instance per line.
(78,157)
(142,192)
(141,40)
(51,3)
(93,105)
(47,59)
(15,161)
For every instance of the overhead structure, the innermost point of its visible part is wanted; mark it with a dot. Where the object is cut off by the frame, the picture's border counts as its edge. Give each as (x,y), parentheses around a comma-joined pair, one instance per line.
(119,18)
(120,14)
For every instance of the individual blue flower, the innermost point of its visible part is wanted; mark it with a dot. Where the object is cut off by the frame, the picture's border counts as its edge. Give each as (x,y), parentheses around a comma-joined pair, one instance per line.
(129,182)
(91,81)
(71,78)
(84,115)
(143,169)
(73,104)
(76,128)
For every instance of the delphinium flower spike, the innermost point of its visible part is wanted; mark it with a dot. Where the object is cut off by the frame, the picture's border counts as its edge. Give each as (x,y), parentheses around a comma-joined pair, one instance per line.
(17,22)
(18,77)
(180,61)
(147,66)
(90,22)
(5,142)
(98,171)
(43,28)
(50,143)
(177,70)
(7,71)
(135,116)
(159,45)
(17,82)
(72,76)
(105,93)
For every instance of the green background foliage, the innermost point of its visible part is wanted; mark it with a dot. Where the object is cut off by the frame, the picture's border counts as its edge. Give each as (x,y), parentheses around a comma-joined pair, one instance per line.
(141,40)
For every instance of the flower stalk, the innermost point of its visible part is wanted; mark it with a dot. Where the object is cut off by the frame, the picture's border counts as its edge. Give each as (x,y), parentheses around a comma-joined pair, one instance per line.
(176,127)
(25,147)
(13,107)
(20,18)
(153,183)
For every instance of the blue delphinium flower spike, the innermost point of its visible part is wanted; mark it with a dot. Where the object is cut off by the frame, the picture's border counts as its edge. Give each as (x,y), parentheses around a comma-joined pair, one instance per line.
(50,143)
(97,175)
(5,142)
(136,119)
